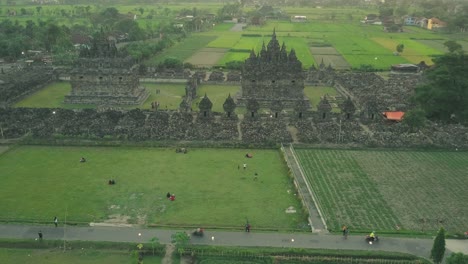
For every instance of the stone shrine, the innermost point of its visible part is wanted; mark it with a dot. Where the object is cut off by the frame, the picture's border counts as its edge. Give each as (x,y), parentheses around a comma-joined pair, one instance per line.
(103,76)
(273,75)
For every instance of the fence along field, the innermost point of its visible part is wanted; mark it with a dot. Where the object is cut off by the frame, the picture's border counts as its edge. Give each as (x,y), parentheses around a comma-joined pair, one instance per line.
(416,190)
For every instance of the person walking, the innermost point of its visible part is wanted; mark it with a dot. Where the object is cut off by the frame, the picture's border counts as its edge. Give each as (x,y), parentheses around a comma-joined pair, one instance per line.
(40,235)
(55,221)
(345,231)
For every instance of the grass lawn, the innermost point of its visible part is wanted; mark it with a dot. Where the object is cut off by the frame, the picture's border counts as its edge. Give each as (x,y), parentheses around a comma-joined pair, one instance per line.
(169,96)
(41,182)
(314,93)
(53,95)
(417,190)
(217,95)
(87,256)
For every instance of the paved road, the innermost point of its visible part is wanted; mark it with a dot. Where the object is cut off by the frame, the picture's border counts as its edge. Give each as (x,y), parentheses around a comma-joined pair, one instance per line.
(419,247)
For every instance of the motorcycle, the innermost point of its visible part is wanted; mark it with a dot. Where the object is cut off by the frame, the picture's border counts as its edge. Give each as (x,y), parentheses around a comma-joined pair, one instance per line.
(371,240)
(198,232)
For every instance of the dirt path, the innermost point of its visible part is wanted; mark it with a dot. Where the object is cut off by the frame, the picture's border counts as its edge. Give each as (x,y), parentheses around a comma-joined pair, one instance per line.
(293,132)
(168,257)
(305,192)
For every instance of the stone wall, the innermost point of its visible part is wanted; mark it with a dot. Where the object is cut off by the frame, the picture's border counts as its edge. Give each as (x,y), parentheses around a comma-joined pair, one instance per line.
(139,125)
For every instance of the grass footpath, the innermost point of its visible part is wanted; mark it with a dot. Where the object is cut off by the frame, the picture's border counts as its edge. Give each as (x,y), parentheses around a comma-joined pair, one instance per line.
(41,182)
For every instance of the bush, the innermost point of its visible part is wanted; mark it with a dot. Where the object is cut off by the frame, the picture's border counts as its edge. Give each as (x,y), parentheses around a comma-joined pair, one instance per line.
(234,65)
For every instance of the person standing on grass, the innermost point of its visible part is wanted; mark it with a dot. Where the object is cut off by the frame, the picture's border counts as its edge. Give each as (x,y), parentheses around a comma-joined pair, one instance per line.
(245,166)
(55,221)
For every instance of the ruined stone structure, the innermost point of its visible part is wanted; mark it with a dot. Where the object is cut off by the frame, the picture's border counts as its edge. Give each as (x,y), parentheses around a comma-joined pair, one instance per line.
(272,75)
(102,76)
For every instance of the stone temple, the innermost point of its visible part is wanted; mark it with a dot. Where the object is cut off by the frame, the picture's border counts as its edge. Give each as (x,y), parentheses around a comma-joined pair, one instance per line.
(102,76)
(273,75)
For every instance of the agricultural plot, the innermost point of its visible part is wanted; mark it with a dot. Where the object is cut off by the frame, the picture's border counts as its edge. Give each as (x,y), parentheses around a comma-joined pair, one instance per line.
(183,50)
(372,189)
(207,57)
(363,51)
(210,189)
(329,56)
(225,40)
(217,95)
(414,51)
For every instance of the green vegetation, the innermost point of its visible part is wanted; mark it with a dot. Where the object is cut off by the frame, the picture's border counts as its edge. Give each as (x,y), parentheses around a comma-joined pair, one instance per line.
(169,95)
(315,93)
(217,95)
(370,189)
(438,249)
(52,96)
(443,96)
(52,181)
(182,50)
(88,256)
(234,255)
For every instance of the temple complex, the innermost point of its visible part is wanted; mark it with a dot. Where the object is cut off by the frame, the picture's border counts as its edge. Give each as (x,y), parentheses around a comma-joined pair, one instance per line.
(102,76)
(273,75)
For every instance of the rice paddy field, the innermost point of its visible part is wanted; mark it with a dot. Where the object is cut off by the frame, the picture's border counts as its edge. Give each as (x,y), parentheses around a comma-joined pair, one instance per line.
(383,189)
(211,187)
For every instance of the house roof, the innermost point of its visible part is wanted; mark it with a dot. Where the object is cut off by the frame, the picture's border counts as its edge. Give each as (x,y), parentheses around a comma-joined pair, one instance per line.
(394,115)
(435,20)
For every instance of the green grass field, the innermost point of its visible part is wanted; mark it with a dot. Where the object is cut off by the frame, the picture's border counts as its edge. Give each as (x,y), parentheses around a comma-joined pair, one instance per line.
(217,95)
(314,93)
(41,182)
(87,256)
(52,96)
(417,190)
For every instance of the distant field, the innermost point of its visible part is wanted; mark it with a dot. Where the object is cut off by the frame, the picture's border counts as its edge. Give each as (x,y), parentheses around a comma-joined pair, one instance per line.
(417,190)
(206,57)
(210,189)
(414,51)
(330,57)
(184,49)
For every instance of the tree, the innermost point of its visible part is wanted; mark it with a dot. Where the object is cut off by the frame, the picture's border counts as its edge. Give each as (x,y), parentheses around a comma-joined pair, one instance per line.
(400,47)
(154,241)
(414,119)
(181,241)
(444,95)
(438,249)
(457,258)
(453,46)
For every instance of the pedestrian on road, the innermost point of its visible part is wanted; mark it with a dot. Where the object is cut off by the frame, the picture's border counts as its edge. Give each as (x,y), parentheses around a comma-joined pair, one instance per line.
(345,231)
(55,221)
(40,235)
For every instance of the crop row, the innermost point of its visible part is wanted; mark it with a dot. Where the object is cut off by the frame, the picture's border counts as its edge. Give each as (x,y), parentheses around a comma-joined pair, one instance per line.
(383,189)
